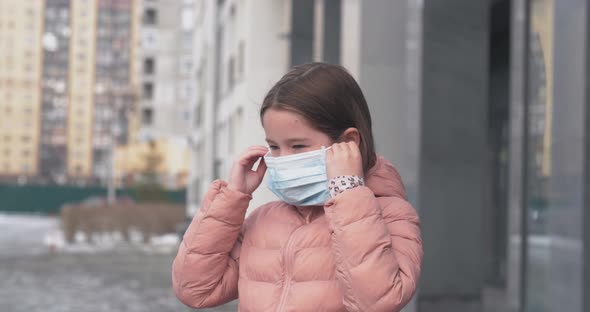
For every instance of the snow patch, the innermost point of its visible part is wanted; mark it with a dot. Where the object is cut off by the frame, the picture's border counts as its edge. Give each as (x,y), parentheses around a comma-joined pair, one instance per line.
(163,244)
(36,234)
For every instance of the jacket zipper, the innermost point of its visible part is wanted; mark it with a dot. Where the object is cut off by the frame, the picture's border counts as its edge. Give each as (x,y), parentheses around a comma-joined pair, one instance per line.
(288,267)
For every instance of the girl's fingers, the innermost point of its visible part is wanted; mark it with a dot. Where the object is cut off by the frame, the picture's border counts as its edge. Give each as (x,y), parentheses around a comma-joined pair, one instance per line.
(249,158)
(353,148)
(336,148)
(252,156)
(257,148)
(343,148)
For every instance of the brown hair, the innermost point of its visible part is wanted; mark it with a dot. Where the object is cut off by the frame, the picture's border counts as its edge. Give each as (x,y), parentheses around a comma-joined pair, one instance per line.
(329,98)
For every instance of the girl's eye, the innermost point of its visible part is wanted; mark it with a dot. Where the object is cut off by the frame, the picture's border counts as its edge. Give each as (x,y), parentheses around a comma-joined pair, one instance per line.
(273,147)
(298,146)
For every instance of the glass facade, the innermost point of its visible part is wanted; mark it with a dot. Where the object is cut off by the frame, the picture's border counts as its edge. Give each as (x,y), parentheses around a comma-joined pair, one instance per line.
(113,96)
(540,100)
(533,242)
(54,111)
(555,157)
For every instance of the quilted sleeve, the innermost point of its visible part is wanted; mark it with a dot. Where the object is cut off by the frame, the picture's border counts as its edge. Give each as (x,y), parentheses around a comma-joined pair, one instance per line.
(205,270)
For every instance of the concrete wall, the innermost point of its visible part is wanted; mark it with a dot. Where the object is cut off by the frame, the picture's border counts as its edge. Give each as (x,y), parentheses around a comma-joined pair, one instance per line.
(167,51)
(428,98)
(231,120)
(453,150)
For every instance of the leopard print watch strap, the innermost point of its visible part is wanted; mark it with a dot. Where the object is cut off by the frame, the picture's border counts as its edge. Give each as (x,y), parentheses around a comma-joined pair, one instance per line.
(340,184)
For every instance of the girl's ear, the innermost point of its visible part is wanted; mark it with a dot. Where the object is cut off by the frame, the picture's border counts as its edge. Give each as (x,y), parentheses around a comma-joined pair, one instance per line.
(351,135)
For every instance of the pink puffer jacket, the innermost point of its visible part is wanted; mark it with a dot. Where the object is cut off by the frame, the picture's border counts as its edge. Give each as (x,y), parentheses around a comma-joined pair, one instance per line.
(361,252)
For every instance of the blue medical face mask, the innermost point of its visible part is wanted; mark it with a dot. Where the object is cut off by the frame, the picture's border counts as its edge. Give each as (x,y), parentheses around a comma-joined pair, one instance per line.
(299,179)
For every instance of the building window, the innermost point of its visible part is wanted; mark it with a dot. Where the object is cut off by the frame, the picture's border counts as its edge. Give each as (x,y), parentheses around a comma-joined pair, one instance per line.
(149,66)
(187,40)
(149,40)
(65,13)
(186,65)
(148,90)
(26,167)
(230,136)
(147,116)
(241,55)
(26,138)
(26,153)
(186,116)
(198,118)
(230,74)
(150,16)
(185,90)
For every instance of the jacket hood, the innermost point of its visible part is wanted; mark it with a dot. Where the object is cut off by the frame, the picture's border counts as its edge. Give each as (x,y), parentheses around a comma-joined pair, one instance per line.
(384,180)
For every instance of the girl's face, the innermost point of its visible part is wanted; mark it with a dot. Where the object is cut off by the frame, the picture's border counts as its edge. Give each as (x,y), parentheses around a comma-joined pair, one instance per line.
(289,133)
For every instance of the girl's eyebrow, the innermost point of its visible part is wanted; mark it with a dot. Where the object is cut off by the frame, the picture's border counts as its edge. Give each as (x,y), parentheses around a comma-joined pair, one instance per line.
(291,140)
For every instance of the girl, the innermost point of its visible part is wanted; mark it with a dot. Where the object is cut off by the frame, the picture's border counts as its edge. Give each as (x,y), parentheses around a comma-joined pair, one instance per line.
(342,237)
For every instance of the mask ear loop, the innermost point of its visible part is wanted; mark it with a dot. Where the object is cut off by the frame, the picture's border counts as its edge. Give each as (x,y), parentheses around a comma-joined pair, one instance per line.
(268,152)
(324,150)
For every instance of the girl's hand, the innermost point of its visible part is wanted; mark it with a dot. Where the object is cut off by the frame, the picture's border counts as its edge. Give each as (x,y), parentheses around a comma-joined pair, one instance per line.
(344,159)
(242,177)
